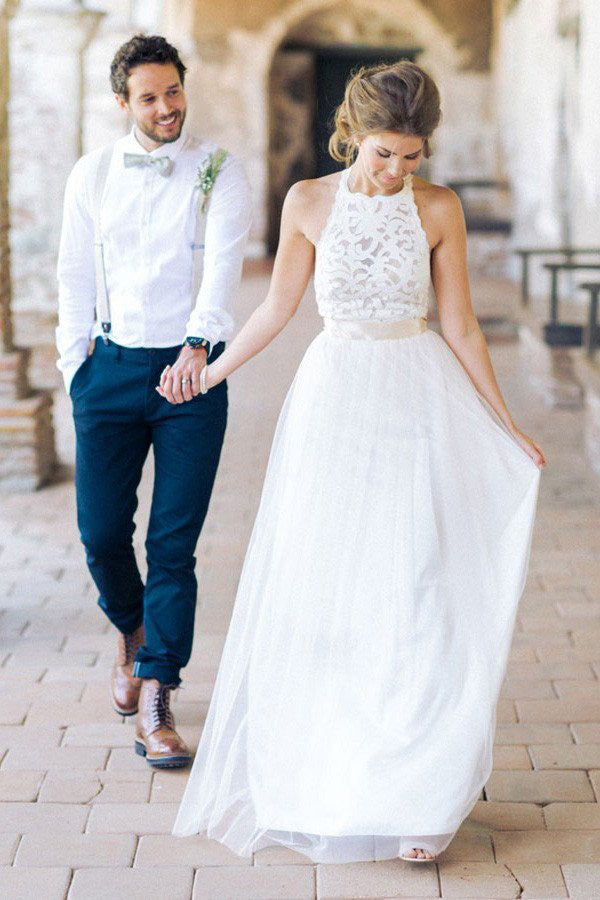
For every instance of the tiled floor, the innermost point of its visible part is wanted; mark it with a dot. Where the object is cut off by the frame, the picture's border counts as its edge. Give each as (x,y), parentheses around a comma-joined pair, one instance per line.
(82,816)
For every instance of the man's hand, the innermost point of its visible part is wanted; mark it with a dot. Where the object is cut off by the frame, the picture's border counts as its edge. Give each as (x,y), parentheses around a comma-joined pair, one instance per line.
(181,381)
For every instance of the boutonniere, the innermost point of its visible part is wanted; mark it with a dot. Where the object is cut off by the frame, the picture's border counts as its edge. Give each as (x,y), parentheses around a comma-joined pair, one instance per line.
(207,174)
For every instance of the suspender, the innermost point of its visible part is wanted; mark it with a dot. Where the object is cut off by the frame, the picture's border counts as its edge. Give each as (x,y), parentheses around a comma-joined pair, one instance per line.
(102,301)
(198,250)
(102,298)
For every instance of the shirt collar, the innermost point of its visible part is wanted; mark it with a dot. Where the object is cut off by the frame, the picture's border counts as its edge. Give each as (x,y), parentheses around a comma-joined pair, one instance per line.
(132,145)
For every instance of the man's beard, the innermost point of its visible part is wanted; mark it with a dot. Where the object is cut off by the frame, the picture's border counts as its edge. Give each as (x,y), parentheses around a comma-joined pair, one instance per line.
(157,136)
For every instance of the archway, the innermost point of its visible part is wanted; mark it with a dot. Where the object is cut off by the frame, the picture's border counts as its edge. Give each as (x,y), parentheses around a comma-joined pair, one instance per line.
(306,80)
(231,81)
(306,84)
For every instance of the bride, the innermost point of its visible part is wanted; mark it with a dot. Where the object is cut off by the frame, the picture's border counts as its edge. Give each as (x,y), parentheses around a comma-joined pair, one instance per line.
(353,712)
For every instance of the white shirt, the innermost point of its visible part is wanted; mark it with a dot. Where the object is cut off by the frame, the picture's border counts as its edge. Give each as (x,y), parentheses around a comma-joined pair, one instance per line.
(148,228)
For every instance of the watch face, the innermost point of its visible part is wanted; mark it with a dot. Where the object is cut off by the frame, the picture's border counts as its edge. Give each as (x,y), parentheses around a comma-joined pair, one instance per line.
(196,342)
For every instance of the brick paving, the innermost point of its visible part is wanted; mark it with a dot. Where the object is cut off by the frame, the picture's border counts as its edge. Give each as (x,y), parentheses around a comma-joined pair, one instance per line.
(82,817)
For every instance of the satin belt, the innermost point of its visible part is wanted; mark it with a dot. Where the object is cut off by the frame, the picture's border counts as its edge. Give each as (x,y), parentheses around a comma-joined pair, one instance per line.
(374,331)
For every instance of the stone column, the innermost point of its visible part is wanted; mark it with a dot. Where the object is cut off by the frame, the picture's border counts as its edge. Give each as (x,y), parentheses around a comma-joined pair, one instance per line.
(27,455)
(47,42)
(7,7)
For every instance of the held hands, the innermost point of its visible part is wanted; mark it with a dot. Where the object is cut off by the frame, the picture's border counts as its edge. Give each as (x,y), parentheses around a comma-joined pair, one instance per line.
(530,447)
(181,381)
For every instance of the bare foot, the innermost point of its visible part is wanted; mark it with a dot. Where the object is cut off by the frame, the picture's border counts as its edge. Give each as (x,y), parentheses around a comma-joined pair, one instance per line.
(418,853)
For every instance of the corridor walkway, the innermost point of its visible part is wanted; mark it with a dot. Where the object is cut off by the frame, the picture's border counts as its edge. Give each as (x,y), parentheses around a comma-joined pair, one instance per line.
(82,817)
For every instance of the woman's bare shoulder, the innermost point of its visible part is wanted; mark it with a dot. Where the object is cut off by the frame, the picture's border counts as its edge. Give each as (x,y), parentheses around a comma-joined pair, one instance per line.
(308,204)
(312,190)
(436,199)
(440,211)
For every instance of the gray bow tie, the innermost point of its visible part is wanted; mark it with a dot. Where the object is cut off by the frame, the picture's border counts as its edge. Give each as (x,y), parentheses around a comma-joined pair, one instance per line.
(162,164)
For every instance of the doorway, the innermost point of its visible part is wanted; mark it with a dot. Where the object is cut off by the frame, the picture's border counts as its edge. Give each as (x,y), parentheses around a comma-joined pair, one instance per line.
(306,87)
(333,68)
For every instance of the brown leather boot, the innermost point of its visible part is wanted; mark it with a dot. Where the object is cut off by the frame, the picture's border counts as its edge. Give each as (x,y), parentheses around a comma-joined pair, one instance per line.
(156,738)
(124,687)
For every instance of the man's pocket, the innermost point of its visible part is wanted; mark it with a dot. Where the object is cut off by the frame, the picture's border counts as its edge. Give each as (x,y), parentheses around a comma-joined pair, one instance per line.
(79,373)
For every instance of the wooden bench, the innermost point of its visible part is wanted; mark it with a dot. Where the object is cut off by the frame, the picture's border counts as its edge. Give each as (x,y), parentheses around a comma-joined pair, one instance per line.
(477,221)
(592,339)
(568,254)
(562,334)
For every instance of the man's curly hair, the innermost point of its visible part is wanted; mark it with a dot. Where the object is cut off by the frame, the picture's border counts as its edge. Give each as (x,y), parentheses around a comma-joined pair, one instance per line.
(140,49)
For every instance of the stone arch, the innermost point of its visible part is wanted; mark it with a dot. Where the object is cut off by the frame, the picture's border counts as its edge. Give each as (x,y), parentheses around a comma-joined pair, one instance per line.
(229,81)
(361,24)
(365,26)
(423,26)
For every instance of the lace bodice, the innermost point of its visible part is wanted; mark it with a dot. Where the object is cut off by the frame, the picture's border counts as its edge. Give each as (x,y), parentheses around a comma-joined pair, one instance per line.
(372,259)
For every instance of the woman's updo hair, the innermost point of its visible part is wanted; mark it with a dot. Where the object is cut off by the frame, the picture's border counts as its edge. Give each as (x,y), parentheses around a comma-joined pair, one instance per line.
(400,97)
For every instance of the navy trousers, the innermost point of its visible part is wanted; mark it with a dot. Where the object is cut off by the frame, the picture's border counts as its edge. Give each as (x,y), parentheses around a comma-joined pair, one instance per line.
(118,417)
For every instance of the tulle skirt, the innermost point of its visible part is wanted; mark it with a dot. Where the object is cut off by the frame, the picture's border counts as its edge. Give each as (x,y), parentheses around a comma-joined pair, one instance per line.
(354,709)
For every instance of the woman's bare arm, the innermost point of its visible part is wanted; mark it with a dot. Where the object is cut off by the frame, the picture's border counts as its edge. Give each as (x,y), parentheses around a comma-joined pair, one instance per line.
(291,272)
(457,319)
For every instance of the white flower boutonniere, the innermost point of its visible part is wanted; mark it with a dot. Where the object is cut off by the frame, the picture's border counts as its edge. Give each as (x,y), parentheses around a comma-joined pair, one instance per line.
(207,174)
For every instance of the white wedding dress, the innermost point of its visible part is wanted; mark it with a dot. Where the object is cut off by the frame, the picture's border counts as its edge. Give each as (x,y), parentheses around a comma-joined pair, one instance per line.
(353,712)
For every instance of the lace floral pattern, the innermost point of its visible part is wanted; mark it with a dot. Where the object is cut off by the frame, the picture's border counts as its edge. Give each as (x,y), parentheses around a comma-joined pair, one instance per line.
(372,259)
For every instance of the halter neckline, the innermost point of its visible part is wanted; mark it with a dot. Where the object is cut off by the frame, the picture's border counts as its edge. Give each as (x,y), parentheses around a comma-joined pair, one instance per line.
(345,187)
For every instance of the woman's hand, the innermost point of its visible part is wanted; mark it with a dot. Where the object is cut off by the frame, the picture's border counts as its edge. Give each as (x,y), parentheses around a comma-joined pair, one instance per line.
(209,379)
(460,329)
(530,447)
(291,273)
(181,381)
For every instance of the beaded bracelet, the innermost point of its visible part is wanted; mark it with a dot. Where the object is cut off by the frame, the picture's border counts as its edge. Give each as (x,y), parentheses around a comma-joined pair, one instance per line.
(203,388)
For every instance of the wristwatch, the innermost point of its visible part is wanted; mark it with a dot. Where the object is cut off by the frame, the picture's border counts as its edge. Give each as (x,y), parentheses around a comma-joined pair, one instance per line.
(197,343)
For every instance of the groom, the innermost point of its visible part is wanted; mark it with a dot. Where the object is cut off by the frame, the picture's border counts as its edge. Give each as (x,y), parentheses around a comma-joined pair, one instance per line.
(151,252)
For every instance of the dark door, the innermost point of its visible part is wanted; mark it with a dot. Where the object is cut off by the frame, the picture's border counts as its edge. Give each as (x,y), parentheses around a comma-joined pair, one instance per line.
(307,85)
(333,67)
(292,113)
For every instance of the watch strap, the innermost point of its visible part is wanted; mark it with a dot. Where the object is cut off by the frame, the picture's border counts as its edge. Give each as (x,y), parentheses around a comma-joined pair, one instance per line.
(198,342)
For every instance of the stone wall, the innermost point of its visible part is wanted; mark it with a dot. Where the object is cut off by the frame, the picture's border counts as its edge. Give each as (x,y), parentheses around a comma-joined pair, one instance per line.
(27,454)
(231,59)
(6,335)
(547,94)
(46,139)
(466,22)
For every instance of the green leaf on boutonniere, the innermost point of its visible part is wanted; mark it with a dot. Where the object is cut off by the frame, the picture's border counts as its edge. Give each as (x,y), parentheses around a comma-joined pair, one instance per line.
(207,174)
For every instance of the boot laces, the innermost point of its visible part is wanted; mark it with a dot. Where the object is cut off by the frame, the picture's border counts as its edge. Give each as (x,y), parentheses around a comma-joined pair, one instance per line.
(131,644)
(130,648)
(161,713)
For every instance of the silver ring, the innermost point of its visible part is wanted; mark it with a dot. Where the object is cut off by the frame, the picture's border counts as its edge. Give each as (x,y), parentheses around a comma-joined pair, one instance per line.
(185,380)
